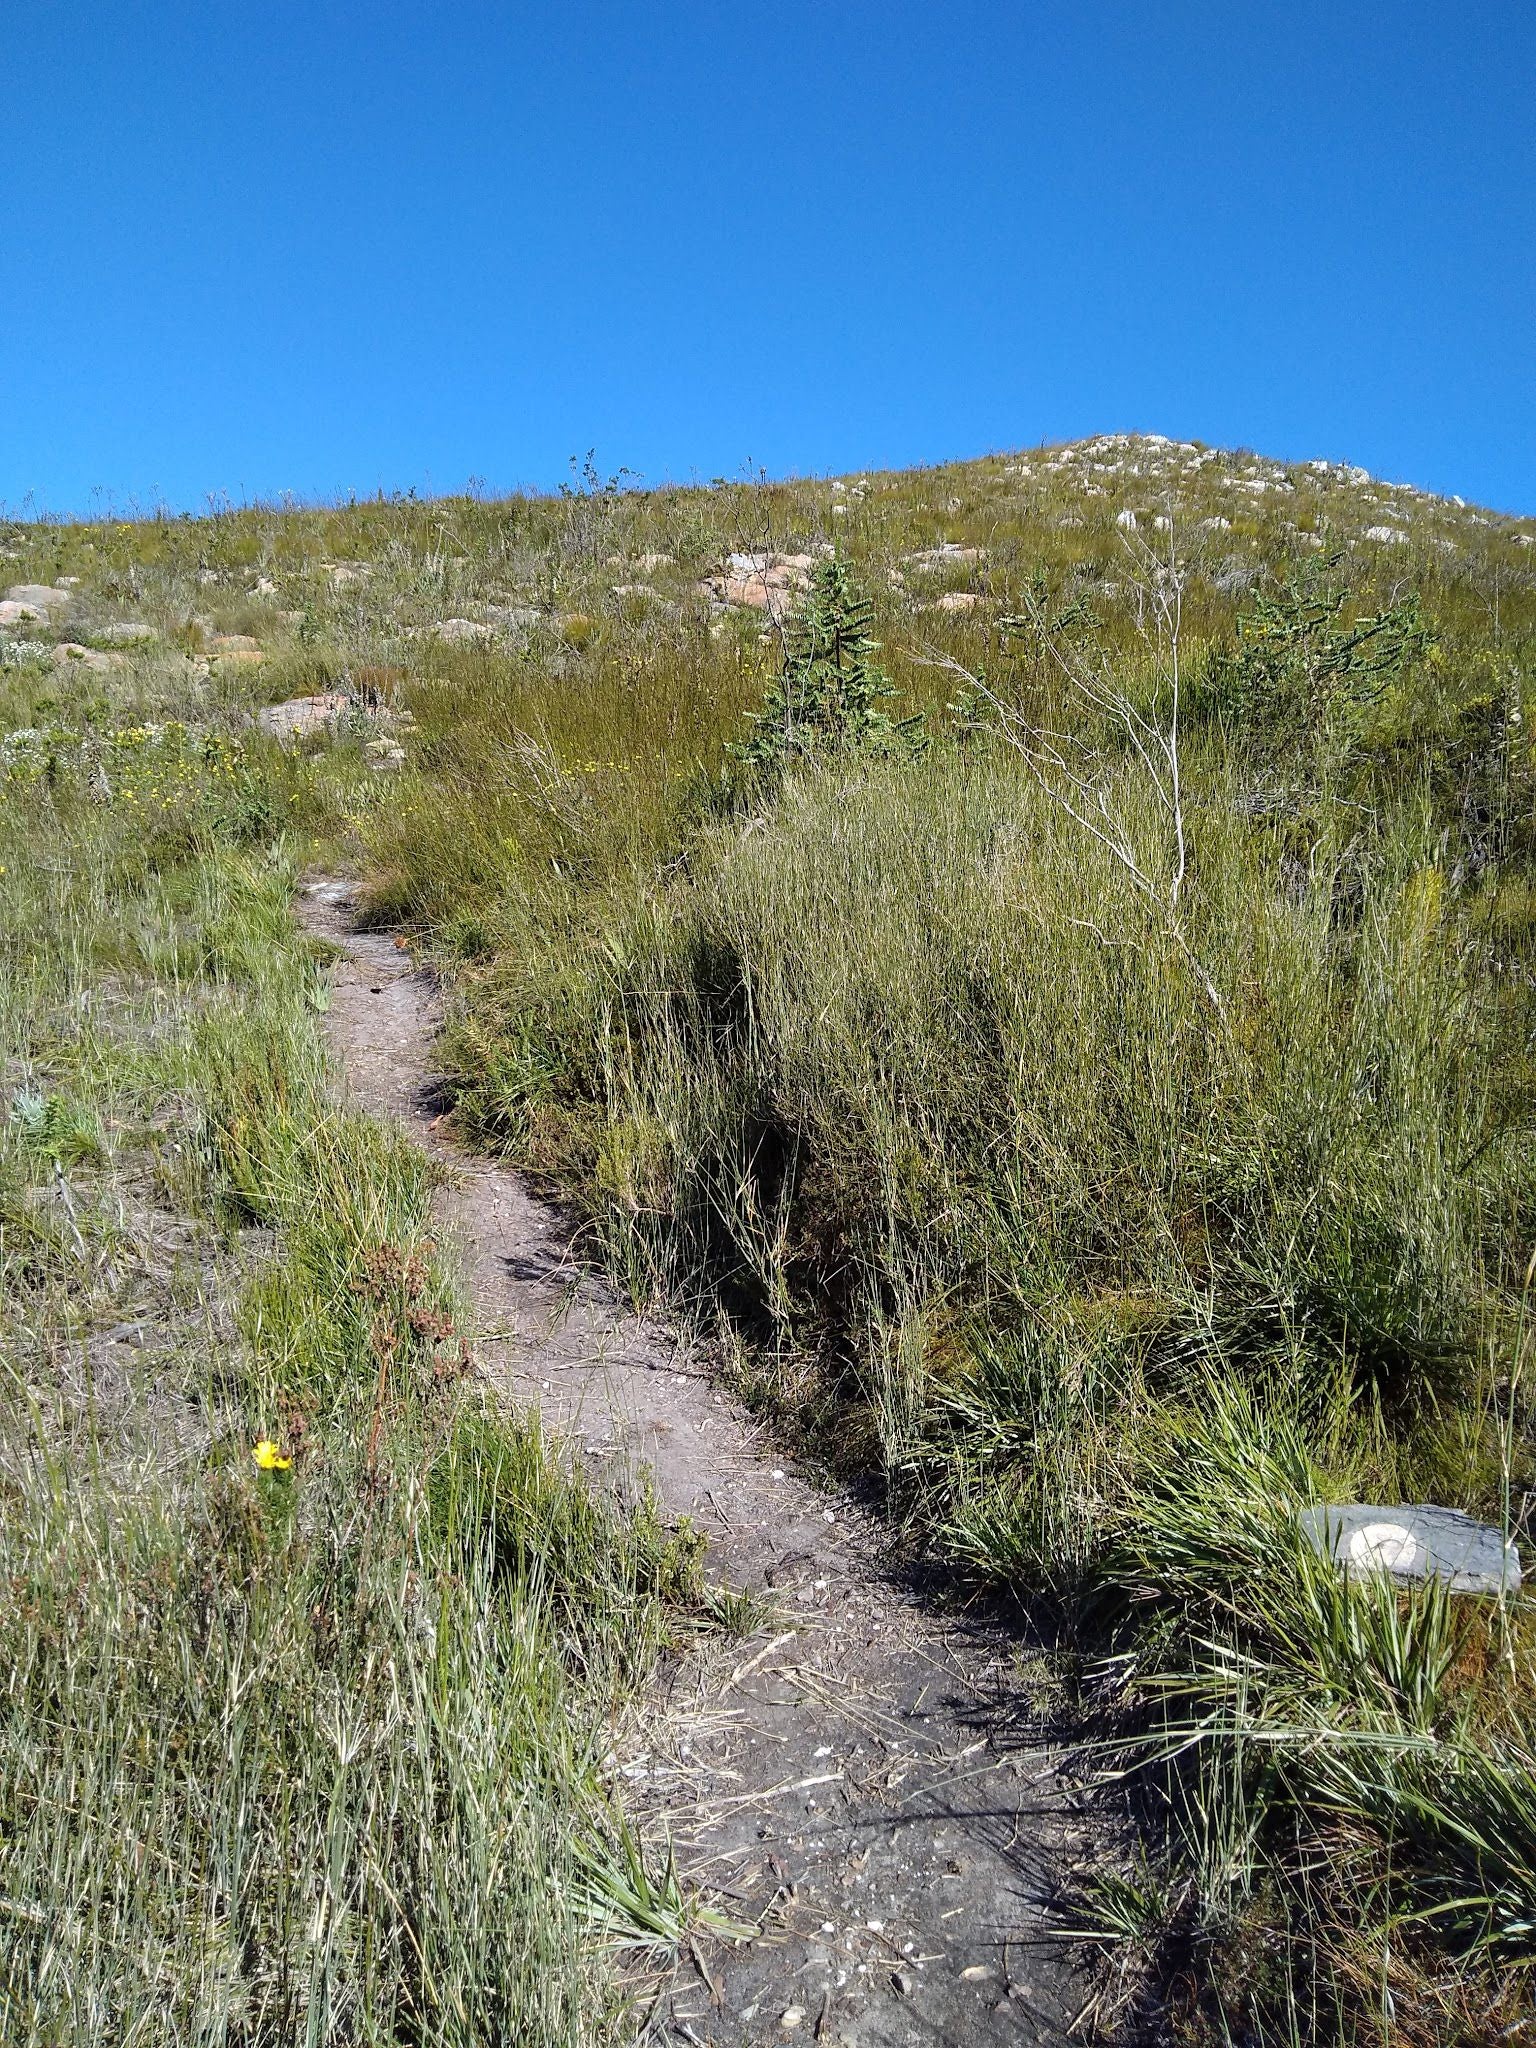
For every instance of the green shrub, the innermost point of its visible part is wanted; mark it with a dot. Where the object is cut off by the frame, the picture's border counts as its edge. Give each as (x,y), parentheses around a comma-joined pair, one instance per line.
(830,695)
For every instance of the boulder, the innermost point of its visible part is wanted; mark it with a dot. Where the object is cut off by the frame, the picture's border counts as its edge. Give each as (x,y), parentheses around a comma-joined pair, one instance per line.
(43,598)
(945,556)
(69,654)
(1412,1543)
(766,583)
(128,633)
(304,717)
(514,618)
(954,601)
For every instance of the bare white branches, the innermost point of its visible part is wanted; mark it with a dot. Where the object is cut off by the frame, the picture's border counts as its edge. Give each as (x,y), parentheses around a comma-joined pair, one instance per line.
(1082,776)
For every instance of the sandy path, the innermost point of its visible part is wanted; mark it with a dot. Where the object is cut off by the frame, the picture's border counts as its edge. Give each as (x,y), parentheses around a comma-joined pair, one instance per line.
(855,1776)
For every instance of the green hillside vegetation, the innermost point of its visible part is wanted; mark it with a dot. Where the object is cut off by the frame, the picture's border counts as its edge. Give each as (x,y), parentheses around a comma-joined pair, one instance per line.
(1051,994)
(310,1663)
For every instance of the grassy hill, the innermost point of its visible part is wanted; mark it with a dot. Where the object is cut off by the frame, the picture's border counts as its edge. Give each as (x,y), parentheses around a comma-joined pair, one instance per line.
(1036,956)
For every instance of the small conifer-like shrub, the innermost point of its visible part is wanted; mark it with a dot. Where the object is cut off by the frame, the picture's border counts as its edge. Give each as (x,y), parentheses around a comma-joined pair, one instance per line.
(1310,665)
(830,696)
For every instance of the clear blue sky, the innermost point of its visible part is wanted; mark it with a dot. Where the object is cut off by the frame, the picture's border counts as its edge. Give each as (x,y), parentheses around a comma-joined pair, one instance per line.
(255,246)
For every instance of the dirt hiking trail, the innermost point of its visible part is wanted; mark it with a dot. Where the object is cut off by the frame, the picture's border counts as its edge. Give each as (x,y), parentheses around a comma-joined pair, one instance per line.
(858,1778)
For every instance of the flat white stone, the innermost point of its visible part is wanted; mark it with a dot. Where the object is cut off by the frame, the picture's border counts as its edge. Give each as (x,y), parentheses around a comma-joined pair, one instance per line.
(1419,1542)
(1383,1546)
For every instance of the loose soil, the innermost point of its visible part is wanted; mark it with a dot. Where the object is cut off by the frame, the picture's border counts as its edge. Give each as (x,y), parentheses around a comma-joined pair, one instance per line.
(859,1780)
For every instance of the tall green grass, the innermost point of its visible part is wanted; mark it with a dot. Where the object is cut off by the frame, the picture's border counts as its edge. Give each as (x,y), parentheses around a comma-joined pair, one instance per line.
(309,1753)
(1102,1240)
(895,1068)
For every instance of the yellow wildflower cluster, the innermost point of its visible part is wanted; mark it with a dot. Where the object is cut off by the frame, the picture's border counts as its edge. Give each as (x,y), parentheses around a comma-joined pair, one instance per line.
(160,768)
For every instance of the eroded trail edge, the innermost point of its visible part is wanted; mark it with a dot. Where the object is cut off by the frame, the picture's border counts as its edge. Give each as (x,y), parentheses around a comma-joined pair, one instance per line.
(860,1777)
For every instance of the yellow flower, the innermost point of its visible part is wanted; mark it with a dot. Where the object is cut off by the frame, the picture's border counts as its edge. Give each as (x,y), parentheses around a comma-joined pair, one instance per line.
(269,1457)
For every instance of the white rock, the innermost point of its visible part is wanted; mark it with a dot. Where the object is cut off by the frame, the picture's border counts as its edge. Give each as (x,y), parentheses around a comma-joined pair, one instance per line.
(44,598)
(944,555)
(1418,1542)
(301,717)
(70,654)
(1126,520)
(1389,536)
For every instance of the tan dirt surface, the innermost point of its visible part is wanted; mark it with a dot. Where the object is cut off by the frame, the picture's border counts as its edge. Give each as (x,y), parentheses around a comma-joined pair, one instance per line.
(861,1779)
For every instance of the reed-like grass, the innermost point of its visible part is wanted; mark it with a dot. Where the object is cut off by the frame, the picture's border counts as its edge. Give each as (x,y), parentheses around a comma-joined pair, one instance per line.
(1105,1198)
(310,1750)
